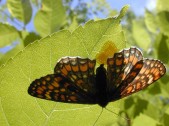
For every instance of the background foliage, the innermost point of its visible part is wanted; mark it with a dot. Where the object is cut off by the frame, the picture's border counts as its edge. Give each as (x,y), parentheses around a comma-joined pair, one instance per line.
(149,32)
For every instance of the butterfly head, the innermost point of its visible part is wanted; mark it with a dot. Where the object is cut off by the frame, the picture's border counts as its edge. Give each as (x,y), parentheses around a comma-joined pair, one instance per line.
(100,69)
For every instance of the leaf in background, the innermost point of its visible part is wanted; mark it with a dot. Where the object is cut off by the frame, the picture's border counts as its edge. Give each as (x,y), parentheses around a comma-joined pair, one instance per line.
(129,106)
(8,34)
(144,120)
(156,89)
(20,9)
(162,48)
(123,12)
(140,106)
(31,37)
(150,21)
(133,106)
(165,85)
(50,17)
(163,22)
(154,107)
(38,59)
(35,2)
(1,55)
(162,5)
(11,53)
(74,24)
(140,35)
(166,117)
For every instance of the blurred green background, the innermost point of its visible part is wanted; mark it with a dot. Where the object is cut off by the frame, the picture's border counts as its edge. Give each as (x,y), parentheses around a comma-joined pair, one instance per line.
(145,25)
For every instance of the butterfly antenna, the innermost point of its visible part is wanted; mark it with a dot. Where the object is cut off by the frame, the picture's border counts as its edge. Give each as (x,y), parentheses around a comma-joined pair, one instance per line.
(127,119)
(98,117)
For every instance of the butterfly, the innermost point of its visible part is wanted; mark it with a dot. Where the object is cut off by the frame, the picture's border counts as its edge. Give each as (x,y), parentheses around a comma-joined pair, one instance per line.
(74,79)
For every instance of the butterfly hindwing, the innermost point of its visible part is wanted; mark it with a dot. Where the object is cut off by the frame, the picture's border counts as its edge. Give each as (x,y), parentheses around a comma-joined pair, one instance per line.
(151,71)
(56,87)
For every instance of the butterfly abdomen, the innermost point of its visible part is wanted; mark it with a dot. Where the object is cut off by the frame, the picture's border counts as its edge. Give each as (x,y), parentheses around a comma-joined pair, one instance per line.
(101,85)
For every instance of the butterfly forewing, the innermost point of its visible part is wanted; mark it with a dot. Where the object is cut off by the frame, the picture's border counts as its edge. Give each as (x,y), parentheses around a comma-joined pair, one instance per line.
(132,56)
(56,87)
(120,65)
(151,71)
(79,71)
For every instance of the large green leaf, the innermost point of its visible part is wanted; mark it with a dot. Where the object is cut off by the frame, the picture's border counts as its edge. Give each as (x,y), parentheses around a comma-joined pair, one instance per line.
(50,17)
(17,108)
(20,9)
(8,34)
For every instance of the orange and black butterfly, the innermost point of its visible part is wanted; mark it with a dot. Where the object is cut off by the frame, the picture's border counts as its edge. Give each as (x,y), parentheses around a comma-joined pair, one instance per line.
(74,79)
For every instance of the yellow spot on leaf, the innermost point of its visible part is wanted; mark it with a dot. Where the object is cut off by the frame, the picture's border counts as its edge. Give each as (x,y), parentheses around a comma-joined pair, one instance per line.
(108,50)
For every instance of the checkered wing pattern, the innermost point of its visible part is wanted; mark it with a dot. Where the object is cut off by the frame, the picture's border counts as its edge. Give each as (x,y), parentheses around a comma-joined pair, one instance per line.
(128,73)
(79,71)
(151,71)
(56,87)
(121,65)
